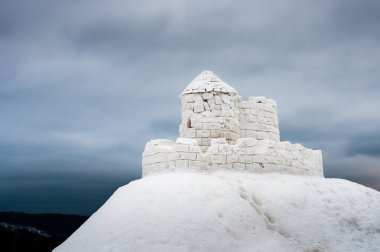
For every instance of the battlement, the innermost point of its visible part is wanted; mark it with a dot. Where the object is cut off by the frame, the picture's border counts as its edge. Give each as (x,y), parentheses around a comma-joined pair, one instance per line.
(248,154)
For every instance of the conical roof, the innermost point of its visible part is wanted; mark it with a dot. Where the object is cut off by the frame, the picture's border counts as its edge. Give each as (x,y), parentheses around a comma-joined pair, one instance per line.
(207,81)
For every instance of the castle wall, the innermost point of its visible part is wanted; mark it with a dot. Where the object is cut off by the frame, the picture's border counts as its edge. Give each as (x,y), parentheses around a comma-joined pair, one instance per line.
(258,119)
(248,154)
(210,115)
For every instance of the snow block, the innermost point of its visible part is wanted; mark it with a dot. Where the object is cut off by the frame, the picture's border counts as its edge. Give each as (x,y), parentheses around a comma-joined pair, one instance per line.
(249,154)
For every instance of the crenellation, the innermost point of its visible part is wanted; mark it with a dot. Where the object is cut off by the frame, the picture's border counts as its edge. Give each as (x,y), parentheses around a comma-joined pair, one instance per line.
(221,131)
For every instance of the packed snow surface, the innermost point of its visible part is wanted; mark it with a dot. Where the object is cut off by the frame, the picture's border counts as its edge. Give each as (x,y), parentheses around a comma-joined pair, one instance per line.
(208,81)
(231,211)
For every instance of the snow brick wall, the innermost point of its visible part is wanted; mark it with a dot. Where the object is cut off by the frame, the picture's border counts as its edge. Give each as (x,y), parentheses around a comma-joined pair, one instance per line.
(220,131)
(210,109)
(258,119)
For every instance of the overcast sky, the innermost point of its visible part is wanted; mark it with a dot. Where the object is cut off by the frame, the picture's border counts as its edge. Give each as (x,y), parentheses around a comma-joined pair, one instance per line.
(85,84)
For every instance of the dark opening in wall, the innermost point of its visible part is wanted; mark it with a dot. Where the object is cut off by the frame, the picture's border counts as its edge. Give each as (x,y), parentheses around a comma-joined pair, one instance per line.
(189,123)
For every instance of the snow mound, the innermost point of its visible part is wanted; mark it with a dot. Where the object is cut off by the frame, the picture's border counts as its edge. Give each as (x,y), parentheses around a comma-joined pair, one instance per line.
(231,211)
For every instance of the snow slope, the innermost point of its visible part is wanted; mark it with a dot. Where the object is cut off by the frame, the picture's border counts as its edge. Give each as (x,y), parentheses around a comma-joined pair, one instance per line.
(231,211)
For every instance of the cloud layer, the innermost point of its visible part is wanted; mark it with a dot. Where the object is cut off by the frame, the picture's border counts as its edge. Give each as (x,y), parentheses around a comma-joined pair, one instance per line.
(84,85)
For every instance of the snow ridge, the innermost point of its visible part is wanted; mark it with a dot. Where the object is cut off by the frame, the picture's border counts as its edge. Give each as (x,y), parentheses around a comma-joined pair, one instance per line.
(233,211)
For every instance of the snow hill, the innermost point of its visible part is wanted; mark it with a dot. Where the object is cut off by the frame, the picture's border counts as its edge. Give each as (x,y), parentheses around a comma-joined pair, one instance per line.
(233,211)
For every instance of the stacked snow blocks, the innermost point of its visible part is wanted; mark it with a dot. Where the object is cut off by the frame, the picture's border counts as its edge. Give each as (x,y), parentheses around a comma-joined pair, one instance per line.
(258,119)
(248,154)
(213,115)
(210,115)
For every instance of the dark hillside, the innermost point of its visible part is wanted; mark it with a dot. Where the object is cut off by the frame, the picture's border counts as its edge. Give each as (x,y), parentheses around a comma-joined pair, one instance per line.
(36,232)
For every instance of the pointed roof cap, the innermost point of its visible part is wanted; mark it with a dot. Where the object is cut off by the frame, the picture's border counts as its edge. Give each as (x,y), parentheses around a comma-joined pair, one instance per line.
(207,81)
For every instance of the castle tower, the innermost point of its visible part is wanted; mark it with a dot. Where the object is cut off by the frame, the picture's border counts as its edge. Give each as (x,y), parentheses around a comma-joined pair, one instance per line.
(210,109)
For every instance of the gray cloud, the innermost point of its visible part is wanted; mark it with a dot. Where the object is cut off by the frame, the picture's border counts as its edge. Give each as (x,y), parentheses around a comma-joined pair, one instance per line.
(58,191)
(364,144)
(167,128)
(84,86)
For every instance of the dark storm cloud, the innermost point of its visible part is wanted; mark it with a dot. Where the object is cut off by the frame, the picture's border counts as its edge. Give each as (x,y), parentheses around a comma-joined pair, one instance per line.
(57,178)
(83,86)
(367,144)
(167,127)
(63,192)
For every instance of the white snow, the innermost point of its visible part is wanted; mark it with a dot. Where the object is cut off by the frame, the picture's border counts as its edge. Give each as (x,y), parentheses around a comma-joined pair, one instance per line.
(207,81)
(248,154)
(233,211)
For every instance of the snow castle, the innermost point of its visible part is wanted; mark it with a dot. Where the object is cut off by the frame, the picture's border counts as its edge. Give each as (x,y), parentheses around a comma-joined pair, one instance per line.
(221,131)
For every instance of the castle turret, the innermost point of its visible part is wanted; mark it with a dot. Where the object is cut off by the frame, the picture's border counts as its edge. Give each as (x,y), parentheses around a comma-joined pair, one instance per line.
(209,110)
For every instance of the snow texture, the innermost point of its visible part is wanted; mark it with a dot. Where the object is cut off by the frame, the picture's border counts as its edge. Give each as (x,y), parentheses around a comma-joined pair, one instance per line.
(207,81)
(208,113)
(233,211)
(249,154)
(220,131)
